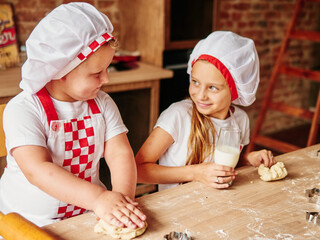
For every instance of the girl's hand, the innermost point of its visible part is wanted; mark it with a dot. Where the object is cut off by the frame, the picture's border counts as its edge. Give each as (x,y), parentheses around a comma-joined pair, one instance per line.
(119,210)
(264,156)
(214,175)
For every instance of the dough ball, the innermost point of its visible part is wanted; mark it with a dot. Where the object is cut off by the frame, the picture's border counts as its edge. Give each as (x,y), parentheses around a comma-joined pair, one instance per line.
(276,172)
(116,232)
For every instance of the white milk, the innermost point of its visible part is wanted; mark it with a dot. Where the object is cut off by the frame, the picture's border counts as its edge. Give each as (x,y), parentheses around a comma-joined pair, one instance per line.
(226,155)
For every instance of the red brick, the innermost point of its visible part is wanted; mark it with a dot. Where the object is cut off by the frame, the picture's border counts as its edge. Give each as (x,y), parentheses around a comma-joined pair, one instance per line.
(251,24)
(223,14)
(24,31)
(283,6)
(236,16)
(261,6)
(88,1)
(242,6)
(253,15)
(30,15)
(272,14)
(26,4)
(48,4)
(105,4)
(242,24)
(224,5)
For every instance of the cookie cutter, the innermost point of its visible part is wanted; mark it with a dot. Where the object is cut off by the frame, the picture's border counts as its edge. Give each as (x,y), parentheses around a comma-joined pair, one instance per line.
(313,217)
(313,195)
(177,236)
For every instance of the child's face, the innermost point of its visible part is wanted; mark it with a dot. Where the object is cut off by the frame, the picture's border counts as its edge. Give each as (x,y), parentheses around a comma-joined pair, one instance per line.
(209,90)
(84,82)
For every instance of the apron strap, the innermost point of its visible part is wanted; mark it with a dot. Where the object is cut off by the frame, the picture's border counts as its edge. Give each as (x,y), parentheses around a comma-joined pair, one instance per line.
(50,110)
(47,105)
(93,106)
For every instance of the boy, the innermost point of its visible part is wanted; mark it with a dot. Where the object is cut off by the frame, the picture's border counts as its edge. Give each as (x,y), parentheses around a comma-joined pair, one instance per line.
(61,124)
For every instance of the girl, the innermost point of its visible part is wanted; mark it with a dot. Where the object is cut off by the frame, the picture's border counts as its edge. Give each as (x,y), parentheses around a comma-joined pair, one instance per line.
(61,124)
(224,69)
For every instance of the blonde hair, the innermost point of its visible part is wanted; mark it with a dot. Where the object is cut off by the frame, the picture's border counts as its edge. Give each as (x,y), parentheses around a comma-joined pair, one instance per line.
(201,139)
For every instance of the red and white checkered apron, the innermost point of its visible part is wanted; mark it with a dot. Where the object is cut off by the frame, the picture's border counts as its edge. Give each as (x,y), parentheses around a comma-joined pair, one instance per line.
(79,146)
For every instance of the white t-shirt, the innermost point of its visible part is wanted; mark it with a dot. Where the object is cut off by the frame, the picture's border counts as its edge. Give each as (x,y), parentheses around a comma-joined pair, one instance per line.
(25,123)
(176,120)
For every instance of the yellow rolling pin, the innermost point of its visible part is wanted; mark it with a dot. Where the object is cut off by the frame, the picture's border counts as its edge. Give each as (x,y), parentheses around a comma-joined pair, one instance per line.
(15,227)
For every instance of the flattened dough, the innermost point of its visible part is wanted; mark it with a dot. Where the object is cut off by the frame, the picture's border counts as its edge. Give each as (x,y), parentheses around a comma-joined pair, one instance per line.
(116,232)
(276,172)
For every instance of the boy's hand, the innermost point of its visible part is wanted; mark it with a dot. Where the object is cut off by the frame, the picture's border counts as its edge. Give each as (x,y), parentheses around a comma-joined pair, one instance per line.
(264,156)
(119,210)
(214,175)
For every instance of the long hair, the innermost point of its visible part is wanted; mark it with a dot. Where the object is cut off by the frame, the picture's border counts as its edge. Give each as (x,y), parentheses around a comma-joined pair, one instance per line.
(201,139)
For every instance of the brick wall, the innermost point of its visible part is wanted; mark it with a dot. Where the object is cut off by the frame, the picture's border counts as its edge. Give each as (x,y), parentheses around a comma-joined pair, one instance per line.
(265,21)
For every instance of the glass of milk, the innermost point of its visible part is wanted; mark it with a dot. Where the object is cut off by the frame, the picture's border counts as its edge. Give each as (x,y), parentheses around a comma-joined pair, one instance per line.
(227,147)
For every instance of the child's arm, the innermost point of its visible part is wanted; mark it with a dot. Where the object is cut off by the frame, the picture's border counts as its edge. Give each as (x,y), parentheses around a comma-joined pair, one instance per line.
(264,156)
(150,172)
(120,159)
(36,164)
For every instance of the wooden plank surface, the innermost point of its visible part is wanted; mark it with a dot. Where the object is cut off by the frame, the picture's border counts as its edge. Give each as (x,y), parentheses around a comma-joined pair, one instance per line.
(250,209)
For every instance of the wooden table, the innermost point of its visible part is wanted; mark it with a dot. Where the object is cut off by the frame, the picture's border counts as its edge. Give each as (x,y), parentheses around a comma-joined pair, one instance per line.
(250,209)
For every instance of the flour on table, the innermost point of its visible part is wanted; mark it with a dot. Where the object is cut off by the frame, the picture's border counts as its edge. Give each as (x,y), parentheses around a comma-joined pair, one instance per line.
(116,232)
(276,172)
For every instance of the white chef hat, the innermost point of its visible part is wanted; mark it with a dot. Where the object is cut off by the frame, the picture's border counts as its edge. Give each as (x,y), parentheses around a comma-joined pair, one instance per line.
(236,58)
(61,41)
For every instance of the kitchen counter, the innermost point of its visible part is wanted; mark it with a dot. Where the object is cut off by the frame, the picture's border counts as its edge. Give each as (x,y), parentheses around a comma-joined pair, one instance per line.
(249,209)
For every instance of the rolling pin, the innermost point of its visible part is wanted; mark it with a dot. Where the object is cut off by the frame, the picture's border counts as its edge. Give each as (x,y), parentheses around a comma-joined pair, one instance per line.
(15,227)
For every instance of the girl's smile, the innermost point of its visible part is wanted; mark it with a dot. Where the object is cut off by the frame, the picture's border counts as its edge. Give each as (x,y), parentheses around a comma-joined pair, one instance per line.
(203,105)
